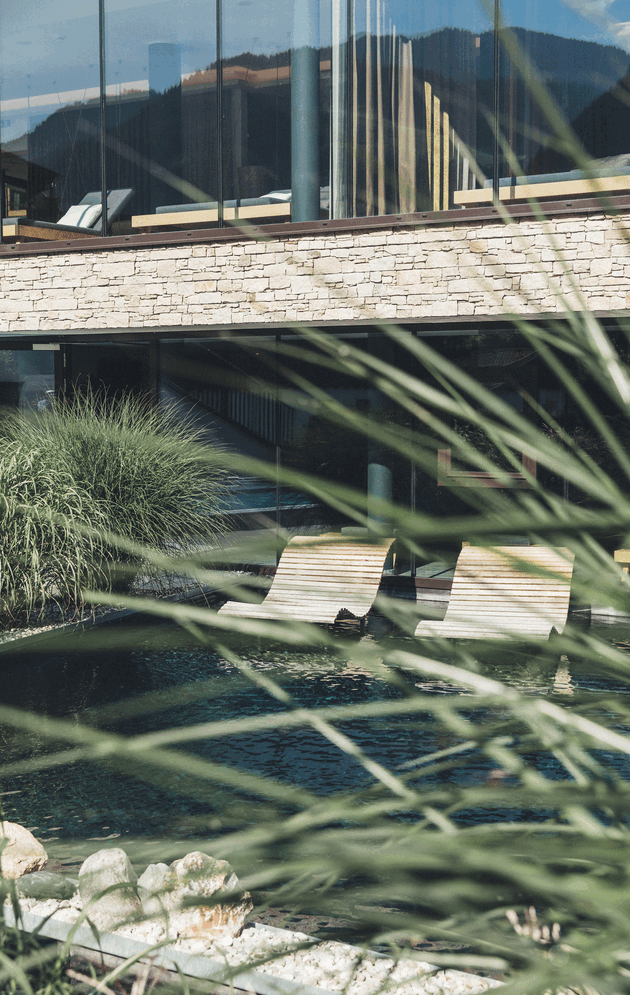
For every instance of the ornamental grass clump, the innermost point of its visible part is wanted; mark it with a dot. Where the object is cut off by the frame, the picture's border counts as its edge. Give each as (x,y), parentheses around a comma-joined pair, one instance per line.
(45,555)
(152,475)
(92,469)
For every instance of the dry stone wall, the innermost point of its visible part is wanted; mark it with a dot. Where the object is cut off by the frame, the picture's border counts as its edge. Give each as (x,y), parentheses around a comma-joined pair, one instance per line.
(469,270)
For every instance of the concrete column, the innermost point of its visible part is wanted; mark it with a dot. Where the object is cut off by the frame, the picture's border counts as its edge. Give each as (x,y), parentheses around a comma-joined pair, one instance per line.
(305,111)
(379,487)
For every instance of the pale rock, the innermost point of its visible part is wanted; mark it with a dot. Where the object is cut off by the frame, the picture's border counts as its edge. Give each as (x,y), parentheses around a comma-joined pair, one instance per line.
(22,853)
(105,869)
(46,908)
(154,890)
(193,883)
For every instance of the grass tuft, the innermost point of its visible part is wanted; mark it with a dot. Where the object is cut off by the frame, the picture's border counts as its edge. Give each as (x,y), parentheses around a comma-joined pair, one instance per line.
(93,468)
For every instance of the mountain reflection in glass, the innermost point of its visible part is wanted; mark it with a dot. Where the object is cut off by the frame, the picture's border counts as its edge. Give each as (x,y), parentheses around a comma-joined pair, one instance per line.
(580,52)
(49,81)
(307,109)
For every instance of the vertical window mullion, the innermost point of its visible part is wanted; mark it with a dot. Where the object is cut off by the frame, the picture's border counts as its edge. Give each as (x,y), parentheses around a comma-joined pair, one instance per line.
(102,106)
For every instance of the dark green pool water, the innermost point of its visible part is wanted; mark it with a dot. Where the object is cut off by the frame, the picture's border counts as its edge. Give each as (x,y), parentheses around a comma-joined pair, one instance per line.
(100,680)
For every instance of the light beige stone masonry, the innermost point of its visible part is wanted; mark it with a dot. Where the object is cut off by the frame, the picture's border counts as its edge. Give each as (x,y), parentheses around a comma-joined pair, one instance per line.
(475,270)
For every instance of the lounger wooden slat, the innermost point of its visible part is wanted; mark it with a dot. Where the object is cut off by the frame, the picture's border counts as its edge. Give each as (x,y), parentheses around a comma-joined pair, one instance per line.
(318,578)
(505,591)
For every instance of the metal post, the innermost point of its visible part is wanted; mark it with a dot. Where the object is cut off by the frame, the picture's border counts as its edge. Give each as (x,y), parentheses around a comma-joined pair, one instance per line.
(350,55)
(2,200)
(219,40)
(154,370)
(497,101)
(305,111)
(412,502)
(339,111)
(102,107)
(278,440)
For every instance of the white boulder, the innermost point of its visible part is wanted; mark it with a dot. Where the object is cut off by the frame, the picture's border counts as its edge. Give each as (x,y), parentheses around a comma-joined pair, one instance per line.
(154,890)
(103,870)
(194,897)
(21,853)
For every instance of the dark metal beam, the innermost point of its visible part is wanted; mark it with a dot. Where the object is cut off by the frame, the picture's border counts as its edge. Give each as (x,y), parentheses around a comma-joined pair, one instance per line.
(102,109)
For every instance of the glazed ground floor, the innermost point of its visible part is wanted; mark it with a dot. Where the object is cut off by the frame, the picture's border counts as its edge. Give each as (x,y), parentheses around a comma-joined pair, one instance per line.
(305,399)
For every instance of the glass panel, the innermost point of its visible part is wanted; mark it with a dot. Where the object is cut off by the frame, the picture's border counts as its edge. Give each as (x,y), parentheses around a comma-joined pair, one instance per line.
(413,102)
(115,368)
(49,82)
(584,64)
(161,102)
(276,82)
(27,379)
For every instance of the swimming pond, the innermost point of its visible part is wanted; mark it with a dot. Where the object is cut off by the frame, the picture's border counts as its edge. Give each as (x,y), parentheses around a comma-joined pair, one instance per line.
(168,680)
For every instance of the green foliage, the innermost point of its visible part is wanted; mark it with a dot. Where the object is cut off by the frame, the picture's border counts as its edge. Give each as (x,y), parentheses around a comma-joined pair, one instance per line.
(148,472)
(91,469)
(44,554)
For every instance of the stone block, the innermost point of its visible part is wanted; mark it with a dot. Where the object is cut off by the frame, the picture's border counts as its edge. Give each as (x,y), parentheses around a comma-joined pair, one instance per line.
(10,305)
(409,277)
(117,268)
(601,267)
(534,281)
(439,259)
(330,264)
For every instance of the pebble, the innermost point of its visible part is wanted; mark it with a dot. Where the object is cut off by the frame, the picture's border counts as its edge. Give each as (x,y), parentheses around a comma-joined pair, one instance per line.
(335,966)
(330,965)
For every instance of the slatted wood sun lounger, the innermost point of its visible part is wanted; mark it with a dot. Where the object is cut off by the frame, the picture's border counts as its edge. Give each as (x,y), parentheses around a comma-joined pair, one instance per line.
(540,191)
(265,214)
(505,591)
(319,577)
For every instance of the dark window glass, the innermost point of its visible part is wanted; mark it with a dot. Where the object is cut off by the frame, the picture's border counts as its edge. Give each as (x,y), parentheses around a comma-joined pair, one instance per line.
(49,60)
(161,102)
(276,82)
(27,379)
(413,105)
(113,368)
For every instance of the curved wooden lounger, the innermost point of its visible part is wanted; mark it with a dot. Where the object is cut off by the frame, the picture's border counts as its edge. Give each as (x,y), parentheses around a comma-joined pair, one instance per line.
(319,577)
(505,591)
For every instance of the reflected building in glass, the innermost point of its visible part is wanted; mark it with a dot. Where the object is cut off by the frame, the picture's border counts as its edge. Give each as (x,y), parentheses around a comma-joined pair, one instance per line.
(341,108)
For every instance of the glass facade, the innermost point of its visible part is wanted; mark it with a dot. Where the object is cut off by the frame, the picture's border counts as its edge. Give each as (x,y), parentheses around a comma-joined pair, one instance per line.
(246,393)
(298,109)
(582,57)
(27,379)
(161,101)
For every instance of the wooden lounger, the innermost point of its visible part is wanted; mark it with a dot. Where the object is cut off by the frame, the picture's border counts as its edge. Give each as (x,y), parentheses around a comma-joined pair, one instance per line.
(250,214)
(541,191)
(504,591)
(319,577)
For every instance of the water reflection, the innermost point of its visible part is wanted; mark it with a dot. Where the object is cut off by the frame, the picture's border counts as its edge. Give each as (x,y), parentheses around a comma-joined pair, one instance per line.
(168,680)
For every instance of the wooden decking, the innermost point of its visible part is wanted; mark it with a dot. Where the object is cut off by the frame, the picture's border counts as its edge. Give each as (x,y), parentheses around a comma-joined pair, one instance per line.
(504,591)
(18,232)
(320,578)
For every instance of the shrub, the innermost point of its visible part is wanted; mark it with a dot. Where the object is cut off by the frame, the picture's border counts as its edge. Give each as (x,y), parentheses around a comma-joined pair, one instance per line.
(43,555)
(113,466)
